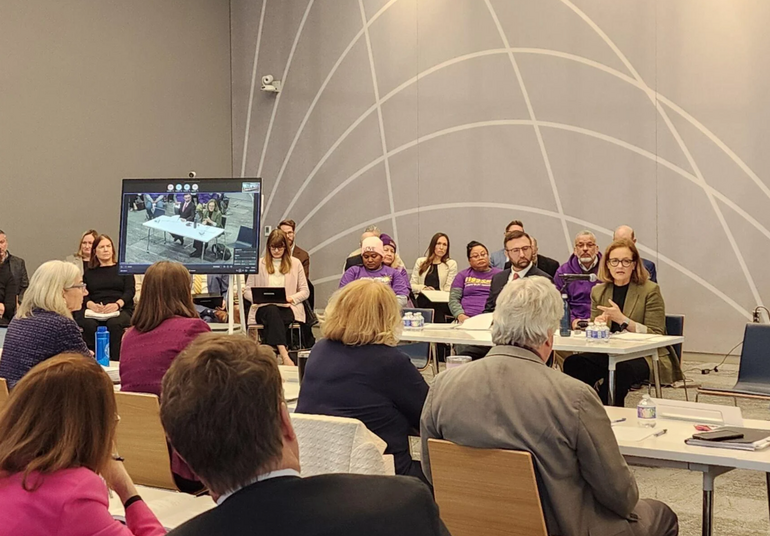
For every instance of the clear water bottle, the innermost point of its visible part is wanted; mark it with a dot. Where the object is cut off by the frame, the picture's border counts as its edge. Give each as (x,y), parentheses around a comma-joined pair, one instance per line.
(646,412)
(103,346)
(420,321)
(565,330)
(408,317)
(602,332)
(591,333)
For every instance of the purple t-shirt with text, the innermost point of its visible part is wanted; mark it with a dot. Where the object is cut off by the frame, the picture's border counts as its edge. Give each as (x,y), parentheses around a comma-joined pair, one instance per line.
(395,279)
(475,288)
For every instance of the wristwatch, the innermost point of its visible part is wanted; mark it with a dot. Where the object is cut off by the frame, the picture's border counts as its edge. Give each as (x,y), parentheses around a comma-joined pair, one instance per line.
(624,325)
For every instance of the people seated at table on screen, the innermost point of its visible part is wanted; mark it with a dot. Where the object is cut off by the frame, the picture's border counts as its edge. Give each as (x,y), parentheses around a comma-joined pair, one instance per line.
(43,326)
(512,400)
(164,323)
(373,254)
(355,259)
(470,288)
(584,260)
(108,293)
(624,231)
(83,254)
(57,440)
(209,215)
(357,370)
(277,268)
(187,209)
(153,202)
(626,300)
(288,227)
(392,259)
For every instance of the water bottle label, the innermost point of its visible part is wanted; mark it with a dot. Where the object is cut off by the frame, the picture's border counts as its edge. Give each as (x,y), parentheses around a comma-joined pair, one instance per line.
(646,412)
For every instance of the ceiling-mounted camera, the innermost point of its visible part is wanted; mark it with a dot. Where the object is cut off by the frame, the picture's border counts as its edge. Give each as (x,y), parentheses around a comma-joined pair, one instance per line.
(270,84)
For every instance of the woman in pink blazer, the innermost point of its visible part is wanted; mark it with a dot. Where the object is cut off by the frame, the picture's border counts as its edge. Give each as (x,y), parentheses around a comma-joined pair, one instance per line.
(278,269)
(56,438)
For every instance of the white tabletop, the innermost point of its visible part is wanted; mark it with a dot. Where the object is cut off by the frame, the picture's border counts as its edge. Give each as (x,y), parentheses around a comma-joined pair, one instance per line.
(172,508)
(177,226)
(671,445)
(618,345)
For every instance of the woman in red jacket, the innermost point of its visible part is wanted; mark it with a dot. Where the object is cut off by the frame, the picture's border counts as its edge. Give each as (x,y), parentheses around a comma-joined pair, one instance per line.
(56,437)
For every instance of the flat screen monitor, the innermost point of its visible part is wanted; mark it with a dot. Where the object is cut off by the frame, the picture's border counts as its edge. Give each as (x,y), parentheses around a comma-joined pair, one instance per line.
(209,225)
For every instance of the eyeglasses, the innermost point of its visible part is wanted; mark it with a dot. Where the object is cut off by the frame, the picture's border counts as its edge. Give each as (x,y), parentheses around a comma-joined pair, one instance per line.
(518,251)
(581,245)
(277,248)
(81,286)
(625,262)
(479,256)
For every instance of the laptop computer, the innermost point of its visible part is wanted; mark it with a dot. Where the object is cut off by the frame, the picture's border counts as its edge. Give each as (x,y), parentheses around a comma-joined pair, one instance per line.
(263,295)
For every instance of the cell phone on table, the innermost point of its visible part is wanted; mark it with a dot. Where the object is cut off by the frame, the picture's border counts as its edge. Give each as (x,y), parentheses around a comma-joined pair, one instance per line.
(718,435)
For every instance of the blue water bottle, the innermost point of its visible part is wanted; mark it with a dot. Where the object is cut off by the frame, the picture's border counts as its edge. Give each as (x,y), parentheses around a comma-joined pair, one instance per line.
(565,330)
(103,346)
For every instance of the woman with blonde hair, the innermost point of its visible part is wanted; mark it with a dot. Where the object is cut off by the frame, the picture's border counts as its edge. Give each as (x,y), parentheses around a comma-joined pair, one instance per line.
(82,256)
(43,326)
(277,268)
(626,301)
(357,370)
(57,434)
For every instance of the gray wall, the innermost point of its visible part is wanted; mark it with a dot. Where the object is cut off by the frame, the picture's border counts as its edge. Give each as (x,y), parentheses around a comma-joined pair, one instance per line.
(460,115)
(92,91)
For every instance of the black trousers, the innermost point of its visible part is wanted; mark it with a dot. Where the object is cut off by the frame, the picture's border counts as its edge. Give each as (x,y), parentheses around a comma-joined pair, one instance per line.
(116,326)
(590,368)
(276,321)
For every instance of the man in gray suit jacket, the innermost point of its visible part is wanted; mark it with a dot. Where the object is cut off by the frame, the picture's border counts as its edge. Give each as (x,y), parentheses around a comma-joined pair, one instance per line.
(511,400)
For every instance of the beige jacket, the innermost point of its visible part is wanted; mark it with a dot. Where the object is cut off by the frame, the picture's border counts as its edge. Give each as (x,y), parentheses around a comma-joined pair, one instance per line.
(295,283)
(446,275)
(511,400)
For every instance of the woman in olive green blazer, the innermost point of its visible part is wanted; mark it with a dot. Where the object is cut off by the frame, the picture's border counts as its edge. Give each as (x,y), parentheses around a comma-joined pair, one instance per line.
(627,300)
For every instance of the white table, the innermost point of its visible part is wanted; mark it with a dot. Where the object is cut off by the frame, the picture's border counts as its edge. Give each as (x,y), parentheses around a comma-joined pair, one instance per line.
(619,348)
(172,508)
(177,226)
(670,450)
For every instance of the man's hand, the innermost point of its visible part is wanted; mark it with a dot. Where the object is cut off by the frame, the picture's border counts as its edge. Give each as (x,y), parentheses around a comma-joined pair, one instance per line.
(462,318)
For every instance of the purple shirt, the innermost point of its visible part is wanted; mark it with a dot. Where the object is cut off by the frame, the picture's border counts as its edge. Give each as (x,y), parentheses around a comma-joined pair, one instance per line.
(395,279)
(475,289)
(578,292)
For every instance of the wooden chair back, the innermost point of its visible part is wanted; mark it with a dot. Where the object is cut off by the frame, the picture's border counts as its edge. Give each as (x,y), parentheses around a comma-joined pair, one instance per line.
(141,440)
(3,393)
(486,491)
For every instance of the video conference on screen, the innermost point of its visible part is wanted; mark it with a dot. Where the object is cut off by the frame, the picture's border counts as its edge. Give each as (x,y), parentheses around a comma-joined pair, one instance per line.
(209,225)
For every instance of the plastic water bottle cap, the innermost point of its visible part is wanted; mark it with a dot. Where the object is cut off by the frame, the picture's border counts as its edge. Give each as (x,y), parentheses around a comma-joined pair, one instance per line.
(101,329)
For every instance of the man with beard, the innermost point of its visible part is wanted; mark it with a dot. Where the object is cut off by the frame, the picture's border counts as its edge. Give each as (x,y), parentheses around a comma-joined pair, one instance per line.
(584,260)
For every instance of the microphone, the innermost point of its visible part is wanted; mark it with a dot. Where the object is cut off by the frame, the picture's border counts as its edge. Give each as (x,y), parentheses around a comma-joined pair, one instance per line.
(579,277)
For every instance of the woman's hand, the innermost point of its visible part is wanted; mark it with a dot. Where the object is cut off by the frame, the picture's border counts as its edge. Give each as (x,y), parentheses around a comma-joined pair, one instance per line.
(612,313)
(111,308)
(117,478)
(428,288)
(290,300)
(95,307)
(462,318)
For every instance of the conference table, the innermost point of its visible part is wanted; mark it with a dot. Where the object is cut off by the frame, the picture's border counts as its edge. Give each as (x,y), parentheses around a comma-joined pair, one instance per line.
(670,451)
(177,226)
(621,347)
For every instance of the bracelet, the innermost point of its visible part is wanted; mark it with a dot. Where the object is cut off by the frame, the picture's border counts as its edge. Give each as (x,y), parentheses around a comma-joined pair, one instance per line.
(118,458)
(131,500)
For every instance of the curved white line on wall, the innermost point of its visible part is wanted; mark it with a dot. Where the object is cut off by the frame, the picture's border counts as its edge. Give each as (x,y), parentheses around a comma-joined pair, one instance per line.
(380,121)
(251,91)
(284,77)
(680,142)
(533,117)
(520,208)
(315,100)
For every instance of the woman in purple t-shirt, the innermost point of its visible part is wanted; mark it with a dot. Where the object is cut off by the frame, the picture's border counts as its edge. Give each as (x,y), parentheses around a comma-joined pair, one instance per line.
(470,288)
(373,253)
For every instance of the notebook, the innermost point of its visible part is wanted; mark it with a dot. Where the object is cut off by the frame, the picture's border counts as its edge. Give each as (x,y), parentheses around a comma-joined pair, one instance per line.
(753,439)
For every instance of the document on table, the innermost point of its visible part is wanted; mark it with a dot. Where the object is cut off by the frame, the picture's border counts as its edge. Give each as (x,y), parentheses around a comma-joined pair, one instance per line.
(480,322)
(627,336)
(172,508)
(629,433)
(436,296)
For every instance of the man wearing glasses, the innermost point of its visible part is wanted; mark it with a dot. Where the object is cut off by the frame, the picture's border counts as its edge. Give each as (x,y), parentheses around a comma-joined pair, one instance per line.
(584,260)
(518,248)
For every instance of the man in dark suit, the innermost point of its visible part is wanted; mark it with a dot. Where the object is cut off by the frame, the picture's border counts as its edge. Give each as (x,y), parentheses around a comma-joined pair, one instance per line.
(223,411)
(17,267)
(187,213)
(624,231)
(288,227)
(546,264)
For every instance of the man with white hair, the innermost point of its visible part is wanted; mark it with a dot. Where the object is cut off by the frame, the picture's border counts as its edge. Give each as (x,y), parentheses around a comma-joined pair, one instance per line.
(624,231)
(583,261)
(511,400)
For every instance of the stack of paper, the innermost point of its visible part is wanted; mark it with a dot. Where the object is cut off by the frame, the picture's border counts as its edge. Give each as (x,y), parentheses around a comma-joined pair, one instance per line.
(753,439)
(170,507)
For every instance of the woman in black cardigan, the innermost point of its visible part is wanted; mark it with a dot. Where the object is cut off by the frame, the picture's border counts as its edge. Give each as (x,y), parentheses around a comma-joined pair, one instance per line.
(108,292)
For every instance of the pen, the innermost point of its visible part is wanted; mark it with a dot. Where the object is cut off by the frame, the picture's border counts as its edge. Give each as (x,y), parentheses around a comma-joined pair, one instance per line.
(658,434)
(616,421)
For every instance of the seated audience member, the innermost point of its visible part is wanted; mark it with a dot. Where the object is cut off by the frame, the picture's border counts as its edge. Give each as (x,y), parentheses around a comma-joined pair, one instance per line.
(518,247)
(546,264)
(8,293)
(211,309)
(81,257)
(288,227)
(392,259)
(43,326)
(187,210)
(355,258)
(109,292)
(624,231)
(153,202)
(278,269)
(357,370)
(17,266)
(499,259)
(627,300)
(512,400)
(209,215)
(223,410)
(470,288)
(373,268)
(585,260)
(57,435)
(435,271)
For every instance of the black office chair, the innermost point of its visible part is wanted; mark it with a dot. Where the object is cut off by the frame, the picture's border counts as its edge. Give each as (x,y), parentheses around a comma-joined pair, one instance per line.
(754,369)
(245,237)
(418,352)
(675,326)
